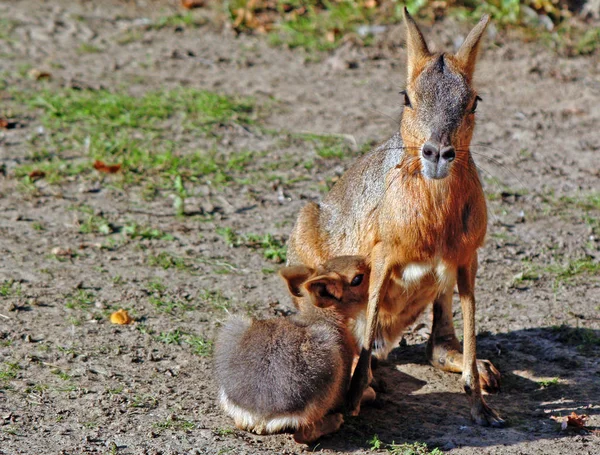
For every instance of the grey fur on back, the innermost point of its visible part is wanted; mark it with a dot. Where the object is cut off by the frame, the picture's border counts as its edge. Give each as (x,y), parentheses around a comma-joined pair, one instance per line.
(278,366)
(367,177)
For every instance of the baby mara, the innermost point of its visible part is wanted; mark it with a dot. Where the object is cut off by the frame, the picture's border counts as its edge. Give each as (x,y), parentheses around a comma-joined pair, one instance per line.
(293,373)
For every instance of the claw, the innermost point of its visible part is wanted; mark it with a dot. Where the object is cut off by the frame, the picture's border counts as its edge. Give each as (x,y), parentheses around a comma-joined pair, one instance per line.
(485,416)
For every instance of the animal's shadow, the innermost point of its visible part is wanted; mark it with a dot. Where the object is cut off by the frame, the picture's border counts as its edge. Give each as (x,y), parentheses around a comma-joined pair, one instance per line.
(546,372)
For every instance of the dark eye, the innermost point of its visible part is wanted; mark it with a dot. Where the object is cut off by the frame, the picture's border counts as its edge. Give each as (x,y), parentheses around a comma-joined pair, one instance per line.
(356,280)
(406,98)
(477,99)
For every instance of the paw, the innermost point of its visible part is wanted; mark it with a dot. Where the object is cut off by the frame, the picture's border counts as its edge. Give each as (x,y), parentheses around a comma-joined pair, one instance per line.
(485,416)
(379,385)
(329,424)
(332,422)
(489,376)
(369,395)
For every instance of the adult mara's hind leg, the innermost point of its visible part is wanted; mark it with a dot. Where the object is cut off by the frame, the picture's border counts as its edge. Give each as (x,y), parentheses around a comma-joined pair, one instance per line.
(306,245)
(444,350)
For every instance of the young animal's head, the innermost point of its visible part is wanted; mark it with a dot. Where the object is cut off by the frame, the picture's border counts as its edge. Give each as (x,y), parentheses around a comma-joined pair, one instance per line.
(342,284)
(440,102)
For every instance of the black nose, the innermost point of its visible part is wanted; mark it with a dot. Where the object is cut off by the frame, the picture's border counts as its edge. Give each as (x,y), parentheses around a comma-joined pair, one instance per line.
(431,152)
(448,153)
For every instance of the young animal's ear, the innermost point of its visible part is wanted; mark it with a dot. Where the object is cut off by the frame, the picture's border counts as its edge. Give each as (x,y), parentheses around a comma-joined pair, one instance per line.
(325,290)
(467,54)
(295,276)
(416,47)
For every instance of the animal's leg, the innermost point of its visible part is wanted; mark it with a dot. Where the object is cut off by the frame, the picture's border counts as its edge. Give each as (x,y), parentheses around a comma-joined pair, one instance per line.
(380,275)
(310,433)
(305,245)
(444,350)
(481,413)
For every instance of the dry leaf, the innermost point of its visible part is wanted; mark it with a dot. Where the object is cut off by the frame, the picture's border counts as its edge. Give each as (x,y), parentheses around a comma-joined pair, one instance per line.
(189,4)
(37,74)
(58,251)
(121,317)
(571,421)
(576,421)
(4,123)
(106,168)
(36,175)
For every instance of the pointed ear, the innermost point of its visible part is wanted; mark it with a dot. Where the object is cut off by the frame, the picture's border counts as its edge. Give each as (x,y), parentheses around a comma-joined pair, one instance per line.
(325,290)
(416,46)
(294,277)
(467,54)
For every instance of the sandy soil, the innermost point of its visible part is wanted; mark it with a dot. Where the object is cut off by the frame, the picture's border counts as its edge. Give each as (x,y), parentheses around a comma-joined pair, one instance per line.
(71,382)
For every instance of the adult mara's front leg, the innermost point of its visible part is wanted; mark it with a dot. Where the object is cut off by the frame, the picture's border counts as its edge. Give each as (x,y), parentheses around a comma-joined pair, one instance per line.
(481,413)
(380,275)
(444,350)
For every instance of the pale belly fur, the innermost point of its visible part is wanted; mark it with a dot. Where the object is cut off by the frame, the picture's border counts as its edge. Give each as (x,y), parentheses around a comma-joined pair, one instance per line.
(412,287)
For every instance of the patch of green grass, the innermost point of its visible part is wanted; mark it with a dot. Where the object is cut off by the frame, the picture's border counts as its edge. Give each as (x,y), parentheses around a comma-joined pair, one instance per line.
(568,270)
(145,401)
(6,28)
(9,371)
(166,305)
(374,442)
(92,223)
(545,383)
(12,430)
(180,195)
(182,20)
(529,274)
(156,285)
(416,448)
(171,337)
(174,424)
(322,25)
(589,201)
(273,248)
(232,239)
(200,345)
(588,42)
(562,272)
(88,48)
(61,374)
(128,37)
(215,299)
(102,112)
(167,261)
(223,431)
(55,171)
(327,146)
(135,132)
(134,231)
(81,299)
(10,288)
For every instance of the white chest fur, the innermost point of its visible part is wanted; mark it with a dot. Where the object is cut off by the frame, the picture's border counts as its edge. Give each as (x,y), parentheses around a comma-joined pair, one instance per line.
(414,274)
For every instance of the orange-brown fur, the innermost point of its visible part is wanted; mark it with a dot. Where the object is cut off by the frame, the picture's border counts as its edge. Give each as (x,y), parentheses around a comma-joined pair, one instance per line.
(421,233)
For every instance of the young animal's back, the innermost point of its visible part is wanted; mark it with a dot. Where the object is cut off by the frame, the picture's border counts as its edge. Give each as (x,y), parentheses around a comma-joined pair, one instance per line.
(293,373)
(277,366)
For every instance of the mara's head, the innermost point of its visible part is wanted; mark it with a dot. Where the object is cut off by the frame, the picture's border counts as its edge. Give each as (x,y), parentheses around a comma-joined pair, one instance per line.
(342,283)
(440,102)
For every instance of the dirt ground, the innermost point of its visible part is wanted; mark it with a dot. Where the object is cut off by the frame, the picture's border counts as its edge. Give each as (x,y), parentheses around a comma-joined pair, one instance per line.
(71,382)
